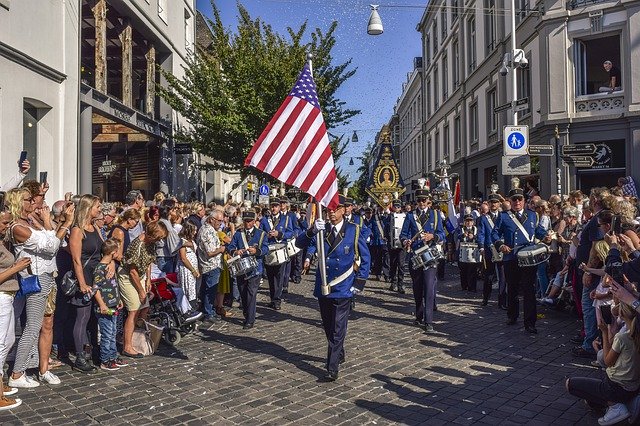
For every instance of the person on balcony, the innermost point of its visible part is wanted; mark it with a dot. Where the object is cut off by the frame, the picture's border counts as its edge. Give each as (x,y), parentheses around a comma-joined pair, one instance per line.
(615,78)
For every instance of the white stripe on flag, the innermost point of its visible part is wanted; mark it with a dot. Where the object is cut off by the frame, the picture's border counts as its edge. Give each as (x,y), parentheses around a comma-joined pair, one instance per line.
(268,139)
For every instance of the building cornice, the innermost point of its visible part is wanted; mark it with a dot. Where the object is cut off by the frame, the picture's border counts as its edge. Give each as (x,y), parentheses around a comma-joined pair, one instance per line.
(31,63)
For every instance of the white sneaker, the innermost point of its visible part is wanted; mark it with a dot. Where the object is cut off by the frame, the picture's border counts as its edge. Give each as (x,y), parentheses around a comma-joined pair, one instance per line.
(9,403)
(49,377)
(23,381)
(8,391)
(616,413)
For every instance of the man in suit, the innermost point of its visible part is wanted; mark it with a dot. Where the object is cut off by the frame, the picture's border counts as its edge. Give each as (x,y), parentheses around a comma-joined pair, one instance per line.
(347,268)
(279,229)
(423,227)
(392,230)
(514,230)
(492,266)
(249,241)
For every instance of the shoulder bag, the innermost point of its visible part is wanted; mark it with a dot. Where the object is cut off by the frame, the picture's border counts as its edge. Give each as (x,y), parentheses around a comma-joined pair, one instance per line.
(69,285)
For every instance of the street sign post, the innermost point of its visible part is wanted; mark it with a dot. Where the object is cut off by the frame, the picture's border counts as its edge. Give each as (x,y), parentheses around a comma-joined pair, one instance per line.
(579,160)
(263,199)
(516,165)
(582,149)
(515,140)
(502,107)
(541,150)
(521,104)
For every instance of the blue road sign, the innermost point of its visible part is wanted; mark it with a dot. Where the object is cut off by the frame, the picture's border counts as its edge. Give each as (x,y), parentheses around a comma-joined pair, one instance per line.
(515,140)
(264,190)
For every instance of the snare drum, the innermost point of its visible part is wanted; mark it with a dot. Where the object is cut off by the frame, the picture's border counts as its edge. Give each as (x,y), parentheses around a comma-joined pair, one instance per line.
(426,256)
(470,253)
(239,266)
(277,254)
(532,255)
(292,249)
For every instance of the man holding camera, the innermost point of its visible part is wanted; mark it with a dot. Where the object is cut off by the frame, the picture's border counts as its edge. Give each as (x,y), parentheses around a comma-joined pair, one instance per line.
(591,232)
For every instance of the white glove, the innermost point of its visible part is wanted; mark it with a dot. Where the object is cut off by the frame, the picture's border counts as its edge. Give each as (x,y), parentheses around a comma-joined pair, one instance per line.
(318,225)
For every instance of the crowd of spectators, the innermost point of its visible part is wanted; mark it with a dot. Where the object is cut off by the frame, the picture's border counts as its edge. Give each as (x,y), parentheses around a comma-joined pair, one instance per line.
(115,250)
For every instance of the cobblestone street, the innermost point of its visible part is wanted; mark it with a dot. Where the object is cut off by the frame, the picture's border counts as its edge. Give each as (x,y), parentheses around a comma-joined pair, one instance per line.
(474,369)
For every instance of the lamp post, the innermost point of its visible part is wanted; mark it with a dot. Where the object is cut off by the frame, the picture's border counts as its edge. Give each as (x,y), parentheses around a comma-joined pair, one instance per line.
(514,81)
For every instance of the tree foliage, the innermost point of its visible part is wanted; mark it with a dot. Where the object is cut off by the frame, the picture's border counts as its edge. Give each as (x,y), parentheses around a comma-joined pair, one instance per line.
(233,87)
(359,189)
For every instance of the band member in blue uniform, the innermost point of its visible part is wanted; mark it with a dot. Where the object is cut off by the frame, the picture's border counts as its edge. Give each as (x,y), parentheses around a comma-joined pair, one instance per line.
(377,244)
(249,241)
(279,229)
(297,259)
(493,267)
(392,229)
(514,230)
(468,233)
(423,227)
(347,264)
(351,217)
(293,219)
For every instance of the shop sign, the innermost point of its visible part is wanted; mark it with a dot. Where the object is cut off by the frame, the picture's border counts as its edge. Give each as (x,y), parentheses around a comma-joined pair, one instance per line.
(107,168)
(602,157)
(182,149)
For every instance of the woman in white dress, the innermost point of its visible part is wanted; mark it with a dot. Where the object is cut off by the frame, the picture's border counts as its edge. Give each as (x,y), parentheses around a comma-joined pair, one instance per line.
(188,273)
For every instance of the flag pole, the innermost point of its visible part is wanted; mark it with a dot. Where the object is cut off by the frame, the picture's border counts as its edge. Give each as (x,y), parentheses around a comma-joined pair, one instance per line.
(324,287)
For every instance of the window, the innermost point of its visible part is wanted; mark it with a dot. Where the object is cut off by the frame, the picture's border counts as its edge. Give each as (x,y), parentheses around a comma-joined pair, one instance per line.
(445,78)
(589,56)
(428,95)
(435,37)
(457,136)
(490,25)
(521,10)
(472,44)
(163,12)
(456,64)
(443,19)
(524,88)
(427,49)
(429,152)
(32,132)
(454,11)
(446,142)
(492,117)
(437,143)
(188,31)
(473,124)
(436,93)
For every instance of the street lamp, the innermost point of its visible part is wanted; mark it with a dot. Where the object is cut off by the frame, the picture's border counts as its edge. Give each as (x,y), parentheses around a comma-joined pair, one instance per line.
(375,23)
(512,60)
(354,138)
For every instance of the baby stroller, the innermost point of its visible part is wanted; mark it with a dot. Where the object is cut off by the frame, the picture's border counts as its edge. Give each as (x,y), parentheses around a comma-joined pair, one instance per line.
(164,310)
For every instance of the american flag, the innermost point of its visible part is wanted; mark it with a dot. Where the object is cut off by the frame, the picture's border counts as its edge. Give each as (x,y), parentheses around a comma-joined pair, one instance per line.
(294,147)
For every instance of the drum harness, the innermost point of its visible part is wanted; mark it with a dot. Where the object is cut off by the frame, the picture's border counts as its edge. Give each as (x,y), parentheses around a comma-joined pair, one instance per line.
(524,231)
(356,264)
(246,244)
(435,226)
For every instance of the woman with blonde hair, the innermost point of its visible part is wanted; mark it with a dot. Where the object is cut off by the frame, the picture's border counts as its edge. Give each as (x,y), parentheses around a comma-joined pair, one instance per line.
(33,236)
(85,243)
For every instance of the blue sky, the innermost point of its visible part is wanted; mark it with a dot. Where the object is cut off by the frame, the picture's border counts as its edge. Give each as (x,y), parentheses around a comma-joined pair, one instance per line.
(382,61)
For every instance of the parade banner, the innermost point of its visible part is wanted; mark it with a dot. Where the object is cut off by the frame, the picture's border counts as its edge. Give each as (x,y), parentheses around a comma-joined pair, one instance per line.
(385,179)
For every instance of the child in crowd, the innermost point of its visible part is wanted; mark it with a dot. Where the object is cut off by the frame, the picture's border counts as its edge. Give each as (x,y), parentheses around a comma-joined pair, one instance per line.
(188,265)
(107,304)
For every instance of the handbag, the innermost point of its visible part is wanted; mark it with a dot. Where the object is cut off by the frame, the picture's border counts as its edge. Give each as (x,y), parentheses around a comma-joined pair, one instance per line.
(69,285)
(146,340)
(28,285)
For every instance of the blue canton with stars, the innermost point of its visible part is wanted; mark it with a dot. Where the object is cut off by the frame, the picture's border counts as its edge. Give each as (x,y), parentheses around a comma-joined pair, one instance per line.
(305,88)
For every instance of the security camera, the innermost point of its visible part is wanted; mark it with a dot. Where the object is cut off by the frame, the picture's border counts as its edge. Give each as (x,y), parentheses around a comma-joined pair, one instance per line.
(524,63)
(504,70)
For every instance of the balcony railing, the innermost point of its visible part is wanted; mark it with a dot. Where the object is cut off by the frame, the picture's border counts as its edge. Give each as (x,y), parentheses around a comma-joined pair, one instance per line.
(574,4)
(600,102)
